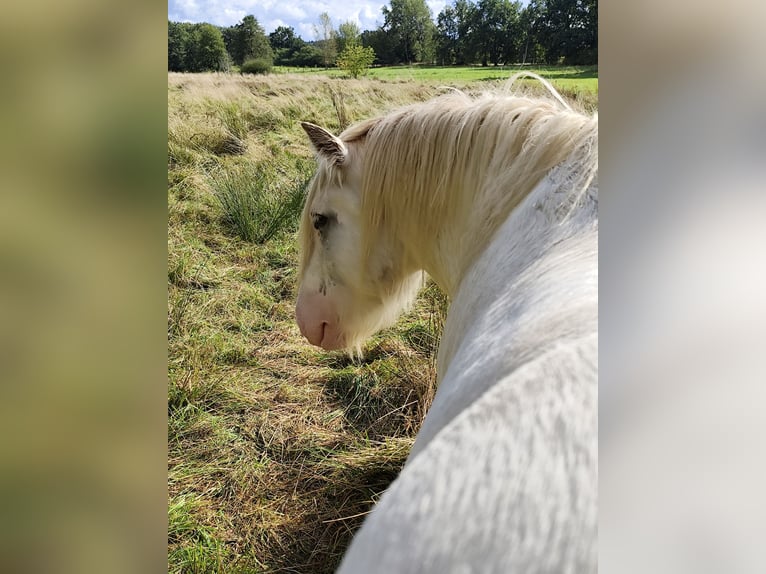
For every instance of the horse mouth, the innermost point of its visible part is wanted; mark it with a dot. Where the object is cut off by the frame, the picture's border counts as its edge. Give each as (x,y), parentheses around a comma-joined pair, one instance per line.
(331,340)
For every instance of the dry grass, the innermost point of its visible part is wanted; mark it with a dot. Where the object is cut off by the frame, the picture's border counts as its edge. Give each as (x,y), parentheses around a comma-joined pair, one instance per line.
(277,450)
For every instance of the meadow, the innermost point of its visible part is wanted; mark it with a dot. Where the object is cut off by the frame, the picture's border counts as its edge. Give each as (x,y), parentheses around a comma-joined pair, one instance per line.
(568,78)
(276,449)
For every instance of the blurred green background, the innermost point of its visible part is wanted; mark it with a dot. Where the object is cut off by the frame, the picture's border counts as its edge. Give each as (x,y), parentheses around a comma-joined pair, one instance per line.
(82,286)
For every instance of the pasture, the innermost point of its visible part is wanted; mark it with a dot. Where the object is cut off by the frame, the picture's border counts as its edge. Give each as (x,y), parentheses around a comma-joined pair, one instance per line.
(276,449)
(568,78)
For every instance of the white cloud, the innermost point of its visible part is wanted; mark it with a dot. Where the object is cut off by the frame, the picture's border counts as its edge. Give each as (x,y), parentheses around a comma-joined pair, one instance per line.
(234,15)
(292,10)
(299,14)
(273,24)
(436,6)
(305,31)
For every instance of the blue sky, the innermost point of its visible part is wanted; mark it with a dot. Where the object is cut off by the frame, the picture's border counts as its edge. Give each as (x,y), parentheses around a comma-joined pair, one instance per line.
(299,14)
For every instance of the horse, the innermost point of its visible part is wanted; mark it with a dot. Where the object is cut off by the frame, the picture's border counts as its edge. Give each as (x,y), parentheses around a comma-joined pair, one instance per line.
(494,196)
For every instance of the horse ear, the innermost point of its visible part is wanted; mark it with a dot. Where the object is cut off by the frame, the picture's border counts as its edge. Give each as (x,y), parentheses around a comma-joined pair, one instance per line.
(326,145)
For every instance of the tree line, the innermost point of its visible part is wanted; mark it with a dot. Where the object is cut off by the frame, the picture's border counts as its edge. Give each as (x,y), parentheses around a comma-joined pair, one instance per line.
(205,47)
(465,32)
(488,32)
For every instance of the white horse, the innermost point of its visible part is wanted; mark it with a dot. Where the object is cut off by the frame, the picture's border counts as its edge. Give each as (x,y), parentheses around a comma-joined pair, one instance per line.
(495,197)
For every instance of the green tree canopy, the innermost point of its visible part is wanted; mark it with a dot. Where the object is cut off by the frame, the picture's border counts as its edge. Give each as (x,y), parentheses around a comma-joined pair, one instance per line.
(326,39)
(356,59)
(466,32)
(249,41)
(348,34)
(446,38)
(206,50)
(494,31)
(308,55)
(411,29)
(566,30)
(286,46)
(381,43)
(572,26)
(283,37)
(530,49)
(178,45)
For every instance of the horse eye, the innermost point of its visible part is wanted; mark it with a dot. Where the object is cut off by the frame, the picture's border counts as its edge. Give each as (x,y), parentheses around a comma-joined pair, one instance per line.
(320,220)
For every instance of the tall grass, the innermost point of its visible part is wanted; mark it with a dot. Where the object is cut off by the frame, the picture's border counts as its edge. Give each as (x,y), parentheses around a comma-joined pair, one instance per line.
(276,450)
(257,205)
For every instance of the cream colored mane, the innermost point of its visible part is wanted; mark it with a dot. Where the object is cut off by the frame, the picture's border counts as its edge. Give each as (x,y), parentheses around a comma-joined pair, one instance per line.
(457,157)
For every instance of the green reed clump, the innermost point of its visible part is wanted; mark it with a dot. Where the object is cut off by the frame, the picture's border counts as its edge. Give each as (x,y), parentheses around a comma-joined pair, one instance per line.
(260,201)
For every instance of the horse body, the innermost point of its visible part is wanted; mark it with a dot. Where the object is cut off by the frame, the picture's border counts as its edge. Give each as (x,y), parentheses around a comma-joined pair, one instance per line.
(502,476)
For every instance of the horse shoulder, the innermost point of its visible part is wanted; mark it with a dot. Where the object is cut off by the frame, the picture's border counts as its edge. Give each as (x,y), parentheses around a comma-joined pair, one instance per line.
(509,319)
(509,485)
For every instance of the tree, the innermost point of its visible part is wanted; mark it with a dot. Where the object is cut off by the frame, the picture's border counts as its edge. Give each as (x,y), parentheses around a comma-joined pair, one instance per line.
(382,44)
(206,50)
(178,45)
(465,19)
(589,48)
(230,39)
(494,31)
(249,41)
(307,55)
(529,24)
(446,38)
(285,45)
(410,26)
(568,31)
(282,37)
(502,31)
(348,34)
(356,59)
(326,36)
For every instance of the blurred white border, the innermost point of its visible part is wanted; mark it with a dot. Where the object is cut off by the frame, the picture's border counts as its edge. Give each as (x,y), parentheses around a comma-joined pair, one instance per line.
(683,287)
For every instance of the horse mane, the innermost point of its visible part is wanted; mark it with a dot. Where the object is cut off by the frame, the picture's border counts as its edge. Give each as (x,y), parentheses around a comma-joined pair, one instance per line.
(428,164)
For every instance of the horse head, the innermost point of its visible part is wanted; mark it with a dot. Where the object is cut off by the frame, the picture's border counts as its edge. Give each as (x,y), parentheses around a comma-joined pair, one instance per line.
(347,292)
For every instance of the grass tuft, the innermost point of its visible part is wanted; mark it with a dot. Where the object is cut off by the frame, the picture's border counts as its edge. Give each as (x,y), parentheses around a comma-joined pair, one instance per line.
(192,547)
(254,205)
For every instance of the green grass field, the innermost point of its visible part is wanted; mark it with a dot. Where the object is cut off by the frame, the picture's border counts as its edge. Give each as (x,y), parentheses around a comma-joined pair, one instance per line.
(573,78)
(277,449)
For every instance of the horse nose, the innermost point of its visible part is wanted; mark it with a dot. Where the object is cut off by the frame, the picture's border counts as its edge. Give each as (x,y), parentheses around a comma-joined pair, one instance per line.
(301,319)
(310,314)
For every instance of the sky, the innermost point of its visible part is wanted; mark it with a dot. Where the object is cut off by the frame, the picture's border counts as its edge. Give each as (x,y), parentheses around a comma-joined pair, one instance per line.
(298,14)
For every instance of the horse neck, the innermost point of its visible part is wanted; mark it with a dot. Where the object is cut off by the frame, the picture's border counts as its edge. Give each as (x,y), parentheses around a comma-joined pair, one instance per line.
(547,215)
(444,243)
(538,260)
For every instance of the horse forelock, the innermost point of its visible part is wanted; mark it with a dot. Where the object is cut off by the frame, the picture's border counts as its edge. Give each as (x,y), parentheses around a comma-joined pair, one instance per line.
(327,174)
